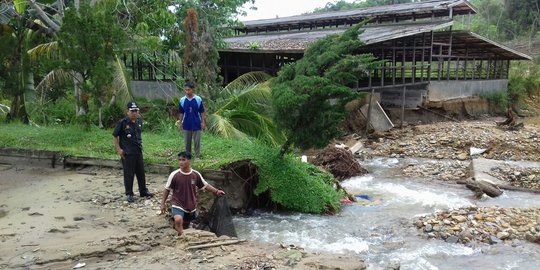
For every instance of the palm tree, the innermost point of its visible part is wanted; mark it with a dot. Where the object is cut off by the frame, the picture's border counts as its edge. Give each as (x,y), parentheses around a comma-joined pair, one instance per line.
(243,110)
(15,70)
(118,91)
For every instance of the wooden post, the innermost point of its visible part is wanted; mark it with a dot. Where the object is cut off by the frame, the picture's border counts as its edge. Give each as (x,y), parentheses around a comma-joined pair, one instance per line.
(403,106)
(368,122)
(430,58)
(413,67)
(393,62)
(449,53)
(457,68)
(474,67)
(423,54)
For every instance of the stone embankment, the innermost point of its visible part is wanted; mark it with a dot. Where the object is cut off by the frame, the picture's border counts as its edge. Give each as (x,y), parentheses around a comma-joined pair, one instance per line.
(447,149)
(482,224)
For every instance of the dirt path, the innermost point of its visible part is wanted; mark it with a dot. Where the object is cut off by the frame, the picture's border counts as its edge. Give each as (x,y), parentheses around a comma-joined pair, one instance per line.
(58,219)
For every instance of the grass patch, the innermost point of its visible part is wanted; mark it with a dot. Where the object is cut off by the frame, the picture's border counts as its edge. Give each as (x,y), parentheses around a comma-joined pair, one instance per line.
(294,185)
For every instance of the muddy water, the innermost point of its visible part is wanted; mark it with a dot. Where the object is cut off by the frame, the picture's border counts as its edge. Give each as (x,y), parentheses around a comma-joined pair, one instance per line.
(379,228)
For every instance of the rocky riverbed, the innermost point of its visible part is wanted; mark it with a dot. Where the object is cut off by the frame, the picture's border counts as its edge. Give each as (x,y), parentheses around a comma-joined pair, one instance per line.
(453,140)
(483,225)
(447,148)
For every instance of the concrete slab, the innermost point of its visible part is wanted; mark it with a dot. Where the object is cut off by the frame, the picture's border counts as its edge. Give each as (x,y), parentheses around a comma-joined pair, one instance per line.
(378,119)
(357,146)
(480,167)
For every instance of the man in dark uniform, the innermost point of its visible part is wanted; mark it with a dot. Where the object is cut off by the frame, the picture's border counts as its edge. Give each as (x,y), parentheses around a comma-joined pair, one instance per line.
(128,142)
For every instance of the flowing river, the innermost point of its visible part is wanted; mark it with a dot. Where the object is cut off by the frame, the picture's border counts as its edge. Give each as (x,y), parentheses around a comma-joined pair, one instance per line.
(381,231)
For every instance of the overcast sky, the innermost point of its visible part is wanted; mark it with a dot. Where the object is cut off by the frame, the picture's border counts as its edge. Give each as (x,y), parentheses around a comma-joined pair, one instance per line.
(269,9)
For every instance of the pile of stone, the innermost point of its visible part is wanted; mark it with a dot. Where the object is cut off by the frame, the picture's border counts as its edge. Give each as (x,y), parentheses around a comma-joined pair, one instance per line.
(448,170)
(482,225)
(518,176)
(449,140)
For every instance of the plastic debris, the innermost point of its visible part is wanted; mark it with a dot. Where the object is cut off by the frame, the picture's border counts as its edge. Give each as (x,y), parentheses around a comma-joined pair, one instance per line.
(79,265)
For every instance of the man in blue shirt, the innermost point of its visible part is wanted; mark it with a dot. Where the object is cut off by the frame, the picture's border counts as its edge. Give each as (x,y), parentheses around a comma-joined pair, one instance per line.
(192,118)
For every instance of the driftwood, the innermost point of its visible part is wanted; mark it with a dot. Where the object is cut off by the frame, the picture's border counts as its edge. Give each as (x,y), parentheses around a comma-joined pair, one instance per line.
(340,162)
(217,244)
(482,187)
(511,121)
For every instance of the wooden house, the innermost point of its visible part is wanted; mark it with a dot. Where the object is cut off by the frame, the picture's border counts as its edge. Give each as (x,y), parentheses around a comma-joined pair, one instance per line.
(426,60)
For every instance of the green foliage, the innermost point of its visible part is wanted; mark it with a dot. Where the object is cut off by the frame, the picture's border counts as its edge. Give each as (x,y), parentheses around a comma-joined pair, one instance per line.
(155,115)
(254,45)
(294,185)
(88,42)
(88,38)
(498,100)
(309,95)
(243,111)
(517,90)
(524,82)
(60,112)
(310,109)
(504,20)
(57,112)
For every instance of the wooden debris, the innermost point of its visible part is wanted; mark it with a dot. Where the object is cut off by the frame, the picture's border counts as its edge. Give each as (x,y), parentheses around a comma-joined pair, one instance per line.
(340,162)
(482,187)
(217,244)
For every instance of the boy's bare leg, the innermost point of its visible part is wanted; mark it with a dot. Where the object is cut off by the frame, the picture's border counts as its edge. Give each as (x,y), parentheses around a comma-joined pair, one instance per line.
(178,224)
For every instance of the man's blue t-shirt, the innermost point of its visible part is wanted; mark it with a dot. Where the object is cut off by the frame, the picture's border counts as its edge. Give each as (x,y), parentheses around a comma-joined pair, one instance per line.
(192,109)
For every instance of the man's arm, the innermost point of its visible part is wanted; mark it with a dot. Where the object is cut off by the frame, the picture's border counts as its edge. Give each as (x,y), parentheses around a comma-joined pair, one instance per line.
(180,120)
(214,190)
(116,141)
(164,200)
(203,120)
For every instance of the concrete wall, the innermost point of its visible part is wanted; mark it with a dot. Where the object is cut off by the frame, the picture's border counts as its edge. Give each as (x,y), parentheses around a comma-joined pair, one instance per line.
(446,90)
(392,97)
(155,90)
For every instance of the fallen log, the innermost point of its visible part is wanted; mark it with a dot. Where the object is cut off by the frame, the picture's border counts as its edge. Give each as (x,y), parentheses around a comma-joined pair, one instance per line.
(232,242)
(480,187)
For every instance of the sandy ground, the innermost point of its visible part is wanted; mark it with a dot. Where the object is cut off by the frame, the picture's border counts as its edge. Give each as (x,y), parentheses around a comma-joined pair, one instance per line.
(64,218)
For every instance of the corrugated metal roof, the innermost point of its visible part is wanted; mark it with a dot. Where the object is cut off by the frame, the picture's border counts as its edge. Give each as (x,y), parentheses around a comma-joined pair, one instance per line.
(464,43)
(424,9)
(6,12)
(474,45)
(299,41)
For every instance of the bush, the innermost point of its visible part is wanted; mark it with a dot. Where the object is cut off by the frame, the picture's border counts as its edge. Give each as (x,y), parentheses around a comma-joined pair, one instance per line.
(61,111)
(497,100)
(111,115)
(156,115)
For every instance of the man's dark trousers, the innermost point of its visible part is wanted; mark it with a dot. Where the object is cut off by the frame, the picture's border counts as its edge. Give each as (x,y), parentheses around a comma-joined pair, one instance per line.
(134,165)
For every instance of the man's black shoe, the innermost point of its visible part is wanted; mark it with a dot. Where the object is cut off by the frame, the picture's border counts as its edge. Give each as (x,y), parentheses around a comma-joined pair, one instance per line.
(147,194)
(130,198)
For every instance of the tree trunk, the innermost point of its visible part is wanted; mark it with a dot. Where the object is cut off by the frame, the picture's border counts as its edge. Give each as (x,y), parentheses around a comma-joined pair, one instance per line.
(285,148)
(100,113)
(78,91)
(17,109)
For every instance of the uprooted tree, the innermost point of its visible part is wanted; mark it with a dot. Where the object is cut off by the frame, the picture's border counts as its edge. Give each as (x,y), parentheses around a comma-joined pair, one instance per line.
(309,95)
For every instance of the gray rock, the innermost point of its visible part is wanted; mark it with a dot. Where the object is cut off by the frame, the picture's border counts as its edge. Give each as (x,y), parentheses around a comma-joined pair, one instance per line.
(452,239)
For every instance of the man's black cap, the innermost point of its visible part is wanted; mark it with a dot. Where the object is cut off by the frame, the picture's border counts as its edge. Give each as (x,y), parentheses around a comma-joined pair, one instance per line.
(132,106)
